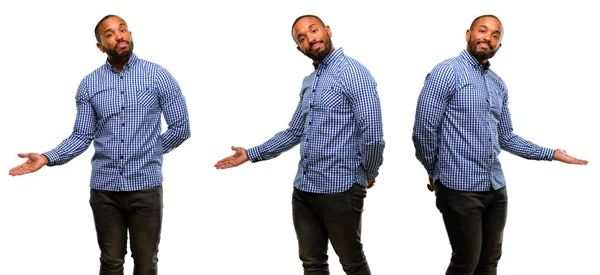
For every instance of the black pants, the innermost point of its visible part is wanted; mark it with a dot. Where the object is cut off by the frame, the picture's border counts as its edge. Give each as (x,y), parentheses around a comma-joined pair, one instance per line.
(475,224)
(115,213)
(320,218)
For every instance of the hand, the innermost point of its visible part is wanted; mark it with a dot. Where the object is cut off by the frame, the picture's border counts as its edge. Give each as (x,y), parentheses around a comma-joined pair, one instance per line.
(370,183)
(430,185)
(561,155)
(240,156)
(33,163)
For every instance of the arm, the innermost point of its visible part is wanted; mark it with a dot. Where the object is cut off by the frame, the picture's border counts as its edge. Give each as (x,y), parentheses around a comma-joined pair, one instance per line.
(175,111)
(362,92)
(519,146)
(278,144)
(71,147)
(515,144)
(431,106)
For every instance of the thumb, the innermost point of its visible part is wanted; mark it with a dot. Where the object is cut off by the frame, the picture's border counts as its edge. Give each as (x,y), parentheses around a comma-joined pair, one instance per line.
(23,155)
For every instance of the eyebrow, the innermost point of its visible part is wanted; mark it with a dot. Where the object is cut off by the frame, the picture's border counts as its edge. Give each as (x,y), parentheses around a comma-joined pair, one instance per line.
(485,26)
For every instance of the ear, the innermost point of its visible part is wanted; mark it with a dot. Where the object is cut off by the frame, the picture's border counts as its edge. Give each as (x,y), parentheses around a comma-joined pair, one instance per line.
(328,31)
(299,49)
(468,35)
(499,45)
(99,45)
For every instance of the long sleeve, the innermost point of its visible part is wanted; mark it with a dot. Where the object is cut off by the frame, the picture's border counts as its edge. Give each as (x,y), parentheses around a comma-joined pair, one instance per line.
(431,105)
(281,141)
(175,112)
(83,131)
(515,144)
(367,111)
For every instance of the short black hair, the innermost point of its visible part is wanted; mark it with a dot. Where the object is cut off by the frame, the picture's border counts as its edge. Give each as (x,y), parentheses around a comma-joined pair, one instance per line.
(97,28)
(304,16)
(482,16)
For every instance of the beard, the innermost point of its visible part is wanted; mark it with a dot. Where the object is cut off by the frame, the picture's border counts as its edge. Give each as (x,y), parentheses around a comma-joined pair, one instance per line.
(320,55)
(114,54)
(480,55)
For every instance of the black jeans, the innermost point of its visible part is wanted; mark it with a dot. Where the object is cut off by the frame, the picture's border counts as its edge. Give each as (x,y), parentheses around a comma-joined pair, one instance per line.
(475,225)
(115,213)
(320,218)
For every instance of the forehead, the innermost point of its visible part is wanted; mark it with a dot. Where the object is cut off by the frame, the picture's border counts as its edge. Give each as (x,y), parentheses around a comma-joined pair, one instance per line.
(490,22)
(304,23)
(112,22)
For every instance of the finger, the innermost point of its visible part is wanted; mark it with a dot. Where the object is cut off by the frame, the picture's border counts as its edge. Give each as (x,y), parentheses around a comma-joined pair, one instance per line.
(430,187)
(23,155)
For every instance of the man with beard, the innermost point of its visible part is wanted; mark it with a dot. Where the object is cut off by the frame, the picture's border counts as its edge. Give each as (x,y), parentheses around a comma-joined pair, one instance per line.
(462,122)
(119,107)
(338,125)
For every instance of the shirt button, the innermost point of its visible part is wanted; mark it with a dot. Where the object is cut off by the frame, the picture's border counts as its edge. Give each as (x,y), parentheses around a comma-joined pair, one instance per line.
(122,140)
(122,124)
(121,157)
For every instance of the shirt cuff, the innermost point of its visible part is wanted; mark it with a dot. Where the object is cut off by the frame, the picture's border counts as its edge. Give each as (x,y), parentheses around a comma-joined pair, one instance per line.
(52,157)
(547,154)
(253,154)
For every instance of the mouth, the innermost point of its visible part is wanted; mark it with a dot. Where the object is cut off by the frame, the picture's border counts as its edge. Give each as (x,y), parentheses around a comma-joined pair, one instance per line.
(316,46)
(122,45)
(484,45)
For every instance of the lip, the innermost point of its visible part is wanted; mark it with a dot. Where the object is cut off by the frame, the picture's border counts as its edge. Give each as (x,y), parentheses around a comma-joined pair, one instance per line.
(484,45)
(122,44)
(315,46)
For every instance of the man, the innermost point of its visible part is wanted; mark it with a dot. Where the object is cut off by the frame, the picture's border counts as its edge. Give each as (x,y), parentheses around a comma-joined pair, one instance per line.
(462,122)
(338,125)
(119,107)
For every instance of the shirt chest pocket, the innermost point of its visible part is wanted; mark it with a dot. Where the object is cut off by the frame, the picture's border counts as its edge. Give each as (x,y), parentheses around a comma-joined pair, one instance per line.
(146,97)
(332,99)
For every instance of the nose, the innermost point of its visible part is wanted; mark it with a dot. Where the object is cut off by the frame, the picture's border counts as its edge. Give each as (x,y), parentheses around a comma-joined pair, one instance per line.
(118,35)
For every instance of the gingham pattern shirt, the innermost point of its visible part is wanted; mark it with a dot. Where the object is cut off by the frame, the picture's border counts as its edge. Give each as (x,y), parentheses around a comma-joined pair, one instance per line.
(338,125)
(121,113)
(461,124)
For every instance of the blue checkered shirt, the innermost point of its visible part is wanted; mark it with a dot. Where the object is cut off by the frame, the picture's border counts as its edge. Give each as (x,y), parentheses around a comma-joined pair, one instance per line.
(121,113)
(338,125)
(461,124)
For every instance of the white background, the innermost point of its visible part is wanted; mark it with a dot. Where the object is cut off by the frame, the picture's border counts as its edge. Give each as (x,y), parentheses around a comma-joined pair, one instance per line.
(238,67)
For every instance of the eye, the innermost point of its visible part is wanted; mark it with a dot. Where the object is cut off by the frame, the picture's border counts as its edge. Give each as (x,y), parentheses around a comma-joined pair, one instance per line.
(109,35)
(482,31)
(301,39)
(123,30)
(313,30)
(496,36)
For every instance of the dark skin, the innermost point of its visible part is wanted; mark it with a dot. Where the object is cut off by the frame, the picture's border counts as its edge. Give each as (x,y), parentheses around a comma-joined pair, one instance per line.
(116,42)
(483,41)
(313,39)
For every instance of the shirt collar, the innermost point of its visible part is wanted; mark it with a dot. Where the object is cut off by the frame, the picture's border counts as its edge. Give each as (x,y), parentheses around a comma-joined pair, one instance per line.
(330,58)
(473,62)
(132,60)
